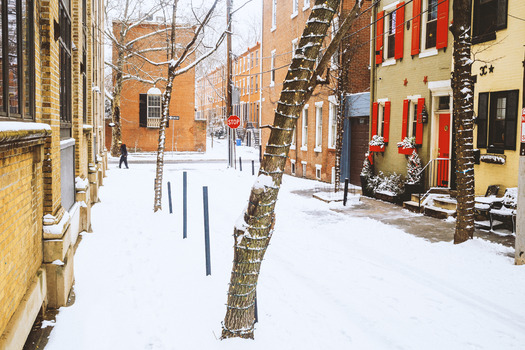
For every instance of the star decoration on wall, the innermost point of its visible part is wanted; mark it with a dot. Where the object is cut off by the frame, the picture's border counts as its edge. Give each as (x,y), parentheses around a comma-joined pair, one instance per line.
(405,82)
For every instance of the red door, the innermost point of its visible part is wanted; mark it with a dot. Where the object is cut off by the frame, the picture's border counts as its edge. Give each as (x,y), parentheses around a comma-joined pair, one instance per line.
(443,150)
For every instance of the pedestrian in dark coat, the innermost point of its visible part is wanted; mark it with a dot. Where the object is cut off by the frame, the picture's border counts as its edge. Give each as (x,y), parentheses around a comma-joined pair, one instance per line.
(123,155)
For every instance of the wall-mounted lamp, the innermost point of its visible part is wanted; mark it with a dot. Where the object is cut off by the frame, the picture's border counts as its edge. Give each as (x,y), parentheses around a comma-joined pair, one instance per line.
(424,114)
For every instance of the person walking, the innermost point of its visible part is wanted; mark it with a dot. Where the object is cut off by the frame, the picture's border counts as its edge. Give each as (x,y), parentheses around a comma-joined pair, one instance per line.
(123,155)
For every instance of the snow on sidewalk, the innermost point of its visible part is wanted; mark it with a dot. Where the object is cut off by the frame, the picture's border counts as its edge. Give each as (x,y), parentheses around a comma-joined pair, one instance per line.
(329,280)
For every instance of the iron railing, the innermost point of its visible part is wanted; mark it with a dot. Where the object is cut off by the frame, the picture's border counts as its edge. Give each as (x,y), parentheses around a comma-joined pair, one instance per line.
(436,174)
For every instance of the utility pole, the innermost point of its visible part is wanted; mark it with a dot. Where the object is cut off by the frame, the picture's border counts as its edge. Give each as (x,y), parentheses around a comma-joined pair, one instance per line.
(519,256)
(229,79)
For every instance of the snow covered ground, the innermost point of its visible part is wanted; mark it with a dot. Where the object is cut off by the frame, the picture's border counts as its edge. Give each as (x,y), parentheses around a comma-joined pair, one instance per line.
(329,280)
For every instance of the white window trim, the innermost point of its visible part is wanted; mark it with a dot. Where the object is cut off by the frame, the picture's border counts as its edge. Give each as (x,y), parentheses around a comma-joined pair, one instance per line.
(294,136)
(272,67)
(388,10)
(388,62)
(306,5)
(423,39)
(332,179)
(318,123)
(318,167)
(331,119)
(380,114)
(274,15)
(303,163)
(294,46)
(294,167)
(295,11)
(304,136)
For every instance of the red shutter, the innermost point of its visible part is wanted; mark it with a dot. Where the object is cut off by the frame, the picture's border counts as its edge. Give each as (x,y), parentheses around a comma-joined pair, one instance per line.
(400,29)
(405,120)
(386,120)
(380,25)
(442,25)
(419,126)
(416,26)
(374,120)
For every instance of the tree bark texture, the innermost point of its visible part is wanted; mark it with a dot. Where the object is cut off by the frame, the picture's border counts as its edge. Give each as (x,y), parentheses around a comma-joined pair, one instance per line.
(116,130)
(252,235)
(463,96)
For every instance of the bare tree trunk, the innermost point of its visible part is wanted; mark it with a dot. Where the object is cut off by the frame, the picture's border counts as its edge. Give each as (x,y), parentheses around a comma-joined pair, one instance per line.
(463,111)
(252,238)
(116,130)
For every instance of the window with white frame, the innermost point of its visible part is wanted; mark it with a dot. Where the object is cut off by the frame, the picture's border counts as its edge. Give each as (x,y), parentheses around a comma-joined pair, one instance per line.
(303,163)
(318,126)
(390,37)
(295,7)
(411,116)
(304,131)
(154,107)
(306,4)
(318,171)
(294,46)
(332,121)
(429,25)
(292,144)
(292,166)
(272,74)
(335,56)
(274,14)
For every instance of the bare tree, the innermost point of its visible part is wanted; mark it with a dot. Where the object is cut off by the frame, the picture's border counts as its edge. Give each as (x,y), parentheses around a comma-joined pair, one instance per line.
(179,62)
(252,238)
(463,96)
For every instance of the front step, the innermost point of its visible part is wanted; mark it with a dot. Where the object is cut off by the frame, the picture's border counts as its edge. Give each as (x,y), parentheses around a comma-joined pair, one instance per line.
(438,213)
(412,206)
(446,203)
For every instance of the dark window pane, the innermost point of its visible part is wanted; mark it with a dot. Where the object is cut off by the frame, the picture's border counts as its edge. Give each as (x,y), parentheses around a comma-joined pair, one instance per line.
(13,58)
(483,105)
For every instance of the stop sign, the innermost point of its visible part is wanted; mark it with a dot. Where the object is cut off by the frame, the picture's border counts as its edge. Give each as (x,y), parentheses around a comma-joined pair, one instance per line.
(234,122)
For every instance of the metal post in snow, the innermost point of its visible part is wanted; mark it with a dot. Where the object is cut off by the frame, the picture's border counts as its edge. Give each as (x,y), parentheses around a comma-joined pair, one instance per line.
(184,205)
(345,194)
(253,167)
(240,164)
(206,230)
(169,197)
(255,313)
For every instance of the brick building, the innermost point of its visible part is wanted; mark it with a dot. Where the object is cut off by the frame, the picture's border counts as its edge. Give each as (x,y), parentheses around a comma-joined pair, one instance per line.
(246,95)
(141,102)
(312,153)
(51,152)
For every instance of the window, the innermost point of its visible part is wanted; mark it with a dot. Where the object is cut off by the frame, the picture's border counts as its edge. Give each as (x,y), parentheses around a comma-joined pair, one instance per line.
(17,72)
(272,74)
(294,47)
(251,60)
(318,126)
(488,17)
(295,7)
(251,85)
(318,171)
(292,144)
(274,14)
(303,163)
(304,132)
(65,69)
(497,120)
(335,56)
(292,166)
(332,122)
(390,35)
(256,58)
(306,4)
(256,84)
(154,113)
(431,24)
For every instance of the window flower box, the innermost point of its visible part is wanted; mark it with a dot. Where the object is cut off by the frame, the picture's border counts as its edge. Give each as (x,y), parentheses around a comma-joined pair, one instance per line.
(407,146)
(377,144)
(377,148)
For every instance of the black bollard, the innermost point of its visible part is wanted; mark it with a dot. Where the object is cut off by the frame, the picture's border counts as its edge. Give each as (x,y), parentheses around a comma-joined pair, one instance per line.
(253,167)
(240,164)
(169,197)
(255,313)
(206,229)
(345,194)
(184,205)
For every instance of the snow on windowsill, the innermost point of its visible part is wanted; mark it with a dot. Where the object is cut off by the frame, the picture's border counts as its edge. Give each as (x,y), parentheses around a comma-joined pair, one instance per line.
(428,53)
(389,62)
(293,15)
(318,149)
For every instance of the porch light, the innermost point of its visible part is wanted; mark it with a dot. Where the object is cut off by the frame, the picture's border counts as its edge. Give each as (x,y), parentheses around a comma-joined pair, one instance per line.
(424,114)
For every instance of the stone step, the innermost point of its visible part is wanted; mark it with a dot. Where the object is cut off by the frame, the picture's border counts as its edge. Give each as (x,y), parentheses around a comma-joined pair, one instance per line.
(446,203)
(413,206)
(439,213)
